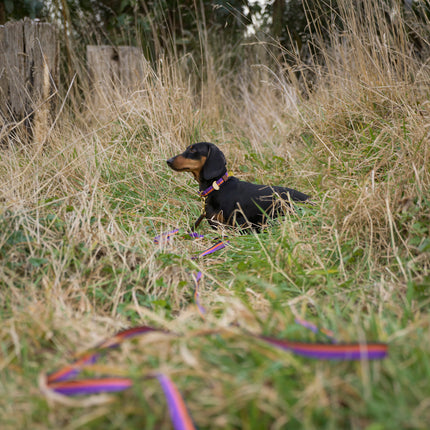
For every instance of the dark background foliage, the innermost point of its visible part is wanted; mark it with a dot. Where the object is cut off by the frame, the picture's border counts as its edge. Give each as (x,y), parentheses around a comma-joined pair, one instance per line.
(180,25)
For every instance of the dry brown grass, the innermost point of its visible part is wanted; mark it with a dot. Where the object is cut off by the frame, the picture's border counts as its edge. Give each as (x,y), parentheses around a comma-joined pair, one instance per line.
(79,214)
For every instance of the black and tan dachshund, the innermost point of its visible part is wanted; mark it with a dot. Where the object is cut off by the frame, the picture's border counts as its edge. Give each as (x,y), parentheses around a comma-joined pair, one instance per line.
(229,201)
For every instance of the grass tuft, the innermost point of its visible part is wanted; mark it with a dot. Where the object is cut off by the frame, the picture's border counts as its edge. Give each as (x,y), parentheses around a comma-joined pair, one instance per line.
(77,258)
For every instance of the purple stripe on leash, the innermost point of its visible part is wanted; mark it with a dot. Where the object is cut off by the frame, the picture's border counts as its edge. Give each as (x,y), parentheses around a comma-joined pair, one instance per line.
(165,236)
(314,328)
(323,351)
(179,414)
(200,308)
(91,386)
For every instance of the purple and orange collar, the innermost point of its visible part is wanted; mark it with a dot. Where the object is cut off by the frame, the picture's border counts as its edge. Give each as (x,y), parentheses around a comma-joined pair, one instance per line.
(215,185)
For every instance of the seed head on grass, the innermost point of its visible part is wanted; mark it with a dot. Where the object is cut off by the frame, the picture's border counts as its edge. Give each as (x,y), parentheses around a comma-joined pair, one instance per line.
(78,262)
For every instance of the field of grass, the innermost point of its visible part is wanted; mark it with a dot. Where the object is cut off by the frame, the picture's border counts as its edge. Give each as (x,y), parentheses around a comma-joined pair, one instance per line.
(78,216)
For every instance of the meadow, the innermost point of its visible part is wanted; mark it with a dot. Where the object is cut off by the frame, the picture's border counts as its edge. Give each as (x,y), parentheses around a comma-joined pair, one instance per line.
(79,211)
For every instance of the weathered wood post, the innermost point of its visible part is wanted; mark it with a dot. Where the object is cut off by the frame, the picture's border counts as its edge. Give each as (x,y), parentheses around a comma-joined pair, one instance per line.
(114,73)
(29,76)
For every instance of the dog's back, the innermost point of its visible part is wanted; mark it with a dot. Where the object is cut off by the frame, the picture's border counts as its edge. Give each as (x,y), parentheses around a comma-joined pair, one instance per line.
(249,205)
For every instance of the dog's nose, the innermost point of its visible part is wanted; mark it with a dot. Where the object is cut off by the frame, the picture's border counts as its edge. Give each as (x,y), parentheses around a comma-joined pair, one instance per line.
(170,162)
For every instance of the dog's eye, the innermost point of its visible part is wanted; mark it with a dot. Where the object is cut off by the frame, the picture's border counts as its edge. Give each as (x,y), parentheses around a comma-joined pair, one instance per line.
(192,149)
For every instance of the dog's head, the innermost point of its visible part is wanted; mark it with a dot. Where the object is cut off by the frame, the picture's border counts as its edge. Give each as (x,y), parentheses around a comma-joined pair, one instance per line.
(204,160)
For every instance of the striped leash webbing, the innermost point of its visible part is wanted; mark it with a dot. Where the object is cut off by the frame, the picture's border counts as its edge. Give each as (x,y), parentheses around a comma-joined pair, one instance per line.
(322,351)
(64,381)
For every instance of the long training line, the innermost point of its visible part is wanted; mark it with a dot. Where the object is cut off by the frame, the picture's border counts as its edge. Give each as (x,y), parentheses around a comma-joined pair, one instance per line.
(66,380)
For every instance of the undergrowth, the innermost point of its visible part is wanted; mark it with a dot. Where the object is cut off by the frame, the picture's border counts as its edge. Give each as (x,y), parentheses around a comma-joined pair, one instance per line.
(78,261)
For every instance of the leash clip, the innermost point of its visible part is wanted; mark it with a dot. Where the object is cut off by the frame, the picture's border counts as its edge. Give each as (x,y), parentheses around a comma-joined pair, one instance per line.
(203,211)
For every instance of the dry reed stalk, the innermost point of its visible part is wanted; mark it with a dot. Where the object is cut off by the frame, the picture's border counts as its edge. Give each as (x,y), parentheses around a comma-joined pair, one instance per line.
(78,221)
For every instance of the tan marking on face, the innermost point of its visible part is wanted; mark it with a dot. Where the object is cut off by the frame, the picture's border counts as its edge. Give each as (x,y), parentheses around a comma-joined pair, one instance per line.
(183,164)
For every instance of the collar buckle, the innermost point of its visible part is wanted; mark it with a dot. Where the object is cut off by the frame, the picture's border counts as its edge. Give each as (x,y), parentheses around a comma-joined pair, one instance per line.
(215,185)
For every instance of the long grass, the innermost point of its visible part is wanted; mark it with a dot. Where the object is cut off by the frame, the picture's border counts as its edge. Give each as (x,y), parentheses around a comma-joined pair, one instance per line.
(78,263)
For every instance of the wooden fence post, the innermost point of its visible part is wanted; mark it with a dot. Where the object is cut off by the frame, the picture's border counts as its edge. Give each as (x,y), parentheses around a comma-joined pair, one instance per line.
(114,73)
(29,76)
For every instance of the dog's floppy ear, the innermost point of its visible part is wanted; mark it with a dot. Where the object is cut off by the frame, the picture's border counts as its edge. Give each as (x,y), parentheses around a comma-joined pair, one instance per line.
(215,165)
